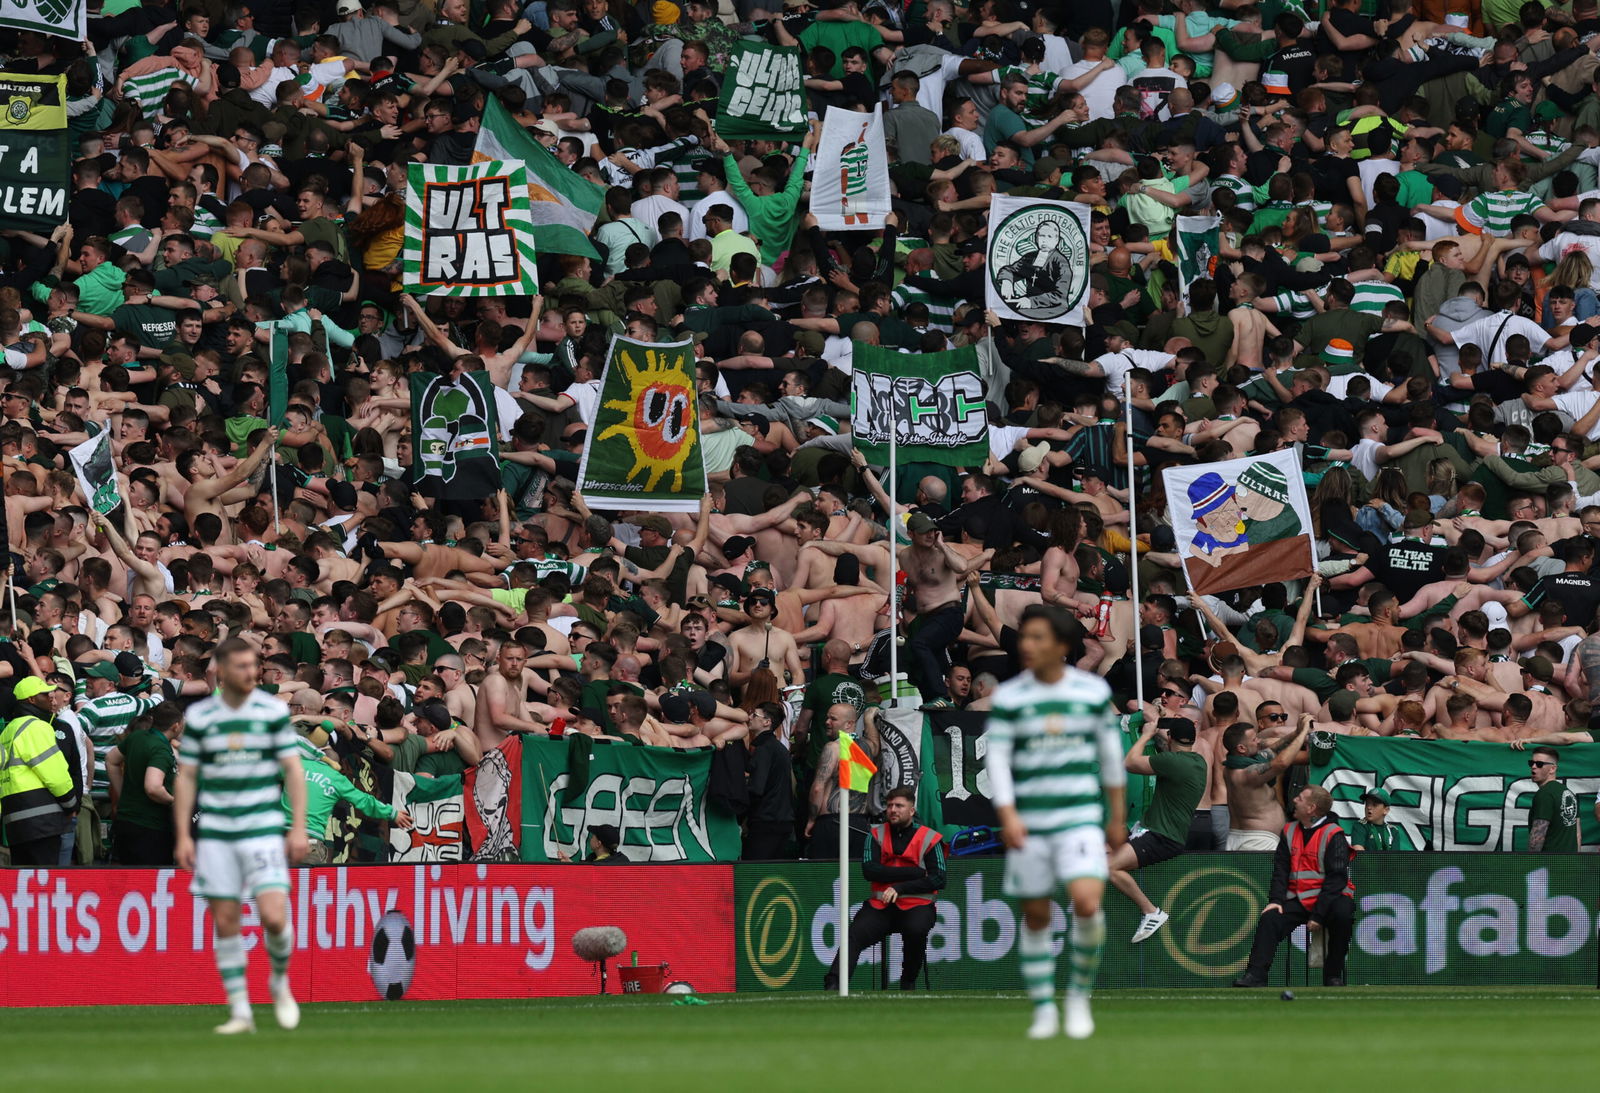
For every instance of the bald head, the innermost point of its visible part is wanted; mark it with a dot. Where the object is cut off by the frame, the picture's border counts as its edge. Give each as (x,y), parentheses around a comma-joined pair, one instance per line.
(836,652)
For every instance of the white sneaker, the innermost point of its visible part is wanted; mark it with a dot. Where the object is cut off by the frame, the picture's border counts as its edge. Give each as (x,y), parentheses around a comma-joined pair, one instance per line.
(285,1008)
(1046,1020)
(1079,1022)
(1149,924)
(233,1026)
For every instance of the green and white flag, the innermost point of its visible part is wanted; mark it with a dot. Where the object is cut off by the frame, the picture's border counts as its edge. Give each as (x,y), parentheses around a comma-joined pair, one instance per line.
(60,18)
(934,400)
(97,474)
(763,97)
(1038,260)
(564,204)
(469,231)
(850,186)
(455,434)
(1198,239)
(277,374)
(35,166)
(643,450)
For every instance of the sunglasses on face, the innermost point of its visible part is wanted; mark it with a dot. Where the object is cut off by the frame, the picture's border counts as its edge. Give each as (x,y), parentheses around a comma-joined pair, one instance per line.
(1539,763)
(1277,717)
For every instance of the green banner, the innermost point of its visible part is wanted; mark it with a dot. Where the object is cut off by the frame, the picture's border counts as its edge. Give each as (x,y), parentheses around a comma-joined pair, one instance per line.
(1452,794)
(762,94)
(644,449)
(455,431)
(469,231)
(934,402)
(1423,919)
(34,166)
(655,797)
(1198,238)
(277,375)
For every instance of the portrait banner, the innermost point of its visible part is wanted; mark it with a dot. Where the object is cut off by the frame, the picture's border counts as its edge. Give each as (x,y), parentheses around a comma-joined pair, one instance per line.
(1241,522)
(469,231)
(762,94)
(644,449)
(492,791)
(850,186)
(934,400)
(1037,260)
(34,155)
(97,474)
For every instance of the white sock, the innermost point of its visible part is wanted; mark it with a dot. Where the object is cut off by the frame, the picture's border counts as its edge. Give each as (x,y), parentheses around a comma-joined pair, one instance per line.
(1038,964)
(279,948)
(231,963)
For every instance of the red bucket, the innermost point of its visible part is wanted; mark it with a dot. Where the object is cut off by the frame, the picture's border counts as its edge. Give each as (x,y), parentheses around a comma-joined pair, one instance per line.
(643,978)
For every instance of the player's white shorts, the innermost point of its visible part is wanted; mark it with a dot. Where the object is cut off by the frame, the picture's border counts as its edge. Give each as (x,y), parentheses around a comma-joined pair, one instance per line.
(234,870)
(1048,862)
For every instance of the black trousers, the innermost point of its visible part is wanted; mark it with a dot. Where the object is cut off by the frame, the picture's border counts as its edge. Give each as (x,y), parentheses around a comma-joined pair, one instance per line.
(929,649)
(44,852)
(767,841)
(872,925)
(135,845)
(1277,925)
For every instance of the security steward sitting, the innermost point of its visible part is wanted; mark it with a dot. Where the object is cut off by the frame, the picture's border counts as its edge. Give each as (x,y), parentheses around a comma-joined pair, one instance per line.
(1311,885)
(39,794)
(904,862)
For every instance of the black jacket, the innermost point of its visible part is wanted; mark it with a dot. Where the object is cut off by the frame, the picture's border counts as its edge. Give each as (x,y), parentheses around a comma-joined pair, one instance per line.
(771,781)
(907,880)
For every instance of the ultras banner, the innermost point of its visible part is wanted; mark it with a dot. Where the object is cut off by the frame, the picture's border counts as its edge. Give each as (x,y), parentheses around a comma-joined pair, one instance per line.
(657,798)
(34,156)
(1422,919)
(1451,794)
(1241,522)
(136,936)
(469,231)
(762,94)
(644,449)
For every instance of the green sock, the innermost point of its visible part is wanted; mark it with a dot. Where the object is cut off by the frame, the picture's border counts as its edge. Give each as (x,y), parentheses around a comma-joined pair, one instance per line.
(1088,938)
(1038,964)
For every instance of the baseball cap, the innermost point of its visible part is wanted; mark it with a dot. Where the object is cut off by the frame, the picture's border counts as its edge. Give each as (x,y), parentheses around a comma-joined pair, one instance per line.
(1049,165)
(1539,667)
(549,127)
(31,686)
(1180,729)
(1123,329)
(1449,187)
(970,246)
(920,522)
(472,48)
(826,422)
(702,703)
(129,664)
(181,363)
(201,279)
(349,7)
(1376,794)
(103,670)
(342,494)
(736,545)
(674,709)
(608,835)
(1031,457)
(588,713)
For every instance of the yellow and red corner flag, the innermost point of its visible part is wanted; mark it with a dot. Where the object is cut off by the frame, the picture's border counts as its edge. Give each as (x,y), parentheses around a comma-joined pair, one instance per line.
(855,769)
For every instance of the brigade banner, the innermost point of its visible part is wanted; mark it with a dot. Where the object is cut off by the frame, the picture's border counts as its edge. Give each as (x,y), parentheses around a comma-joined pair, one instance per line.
(1451,794)
(35,163)
(59,18)
(1038,260)
(97,474)
(455,429)
(469,231)
(850,186)
(1198,238)
(934,400)
(657,798)
(1241,522)
(762,94)
(644,449)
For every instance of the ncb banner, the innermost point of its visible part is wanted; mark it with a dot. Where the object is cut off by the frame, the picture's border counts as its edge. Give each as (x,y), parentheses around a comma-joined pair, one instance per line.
(934,402)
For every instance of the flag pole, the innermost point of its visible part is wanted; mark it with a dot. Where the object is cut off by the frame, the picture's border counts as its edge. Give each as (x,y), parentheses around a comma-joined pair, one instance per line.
(844,882)
(1133,547)
(272,475)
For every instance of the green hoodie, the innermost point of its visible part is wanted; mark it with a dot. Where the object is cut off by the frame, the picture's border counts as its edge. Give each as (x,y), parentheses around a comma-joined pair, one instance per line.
(324,787)
(771,217)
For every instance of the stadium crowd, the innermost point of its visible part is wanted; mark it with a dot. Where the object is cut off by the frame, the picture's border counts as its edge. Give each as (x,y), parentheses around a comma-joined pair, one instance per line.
(1404,291)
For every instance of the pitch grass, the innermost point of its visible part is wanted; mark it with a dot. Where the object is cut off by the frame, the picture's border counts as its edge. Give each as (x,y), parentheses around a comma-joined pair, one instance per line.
(1234,1041)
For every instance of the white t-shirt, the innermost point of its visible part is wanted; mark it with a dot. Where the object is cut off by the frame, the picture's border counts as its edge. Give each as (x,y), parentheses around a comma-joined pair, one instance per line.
(1370,170)
(1338,386)
(586,396)
(648,210)
(693,229)
(1365,457)
(930,89)
(1100,92)
(1487,334)
(1003,439)
(1577,403)
(1118,365)
(971,143)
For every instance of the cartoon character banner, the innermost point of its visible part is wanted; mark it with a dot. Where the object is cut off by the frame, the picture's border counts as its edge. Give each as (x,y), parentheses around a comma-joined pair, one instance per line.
(850,187)
(455,436)
(1241,522)
(469,231)
(644,449)
(1038,260)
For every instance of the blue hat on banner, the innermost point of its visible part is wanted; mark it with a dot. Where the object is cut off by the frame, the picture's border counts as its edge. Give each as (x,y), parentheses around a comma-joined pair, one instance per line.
(1208,492)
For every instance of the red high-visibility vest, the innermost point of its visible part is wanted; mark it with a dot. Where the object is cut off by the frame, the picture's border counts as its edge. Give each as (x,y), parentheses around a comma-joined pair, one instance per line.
(924,838)
(1306,852)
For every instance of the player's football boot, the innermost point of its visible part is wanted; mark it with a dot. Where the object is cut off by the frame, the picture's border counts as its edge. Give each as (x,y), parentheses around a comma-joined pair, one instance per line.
(285,1008)
(233,1026)
(1078,1023)
(1046,1021)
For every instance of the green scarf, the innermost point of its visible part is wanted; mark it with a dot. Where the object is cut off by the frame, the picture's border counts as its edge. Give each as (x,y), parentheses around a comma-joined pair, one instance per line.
(1240,762)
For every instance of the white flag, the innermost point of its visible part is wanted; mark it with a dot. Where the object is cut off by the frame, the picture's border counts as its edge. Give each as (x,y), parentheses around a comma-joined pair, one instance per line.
(850,186)
(1038,260)
(1241,522)
(97,474)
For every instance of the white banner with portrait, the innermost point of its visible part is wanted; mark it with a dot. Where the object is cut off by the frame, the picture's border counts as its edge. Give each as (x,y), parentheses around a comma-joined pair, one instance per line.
(1241,522)
(1037,260)
(850,186)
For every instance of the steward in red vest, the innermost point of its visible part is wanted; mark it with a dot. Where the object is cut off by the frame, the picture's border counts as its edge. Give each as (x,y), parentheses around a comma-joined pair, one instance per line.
(904,863)
(1311,886)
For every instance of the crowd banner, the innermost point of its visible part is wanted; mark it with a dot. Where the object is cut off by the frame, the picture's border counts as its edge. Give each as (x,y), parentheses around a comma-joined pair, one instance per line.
(656,798)
(1037,260)
(850,186)
(97,473)
(492,791)
(1451,794)
(59,18)
(958,760)
(437,813)
(277,373)
(933,401)
(563,204)
(1422,919)
(905,758)
(763,97)
(469,231)
(643,451)
(1198,239)
(137,936)
(35,161)
(1241,522)
(456,436)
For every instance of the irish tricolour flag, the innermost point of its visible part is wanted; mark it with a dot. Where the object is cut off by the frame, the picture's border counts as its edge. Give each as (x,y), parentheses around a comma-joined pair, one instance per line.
(565,205)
